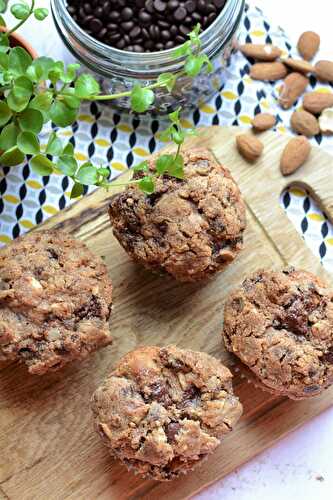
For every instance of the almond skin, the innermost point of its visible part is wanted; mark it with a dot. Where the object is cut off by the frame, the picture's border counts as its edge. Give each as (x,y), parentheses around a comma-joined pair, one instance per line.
(304,123)
(260,52)
(316,102)
(308,45)
(324,71)
(299,65)
(268,71)
(263,121)
(295,154)
(293,87)
(249,147)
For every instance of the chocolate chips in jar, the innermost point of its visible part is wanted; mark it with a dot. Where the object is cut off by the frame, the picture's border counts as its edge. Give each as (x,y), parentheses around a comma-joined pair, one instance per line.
(143,25)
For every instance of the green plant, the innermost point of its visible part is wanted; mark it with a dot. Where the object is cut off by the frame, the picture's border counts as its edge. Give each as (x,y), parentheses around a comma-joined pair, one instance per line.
(35,92)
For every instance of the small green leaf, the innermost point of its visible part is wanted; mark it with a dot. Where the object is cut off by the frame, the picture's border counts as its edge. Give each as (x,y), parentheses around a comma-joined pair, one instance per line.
(163,163)
(167,80)
(68,149)
(42,101)
(175,116)
(31,120)
(8,137)
(20,10)
(3,6)
(57,72)
(147,185)
(12,157)
(141,98)
(77,190)
(19,61)
(183,50)
(67,165)
(54,145)
(61,114)
(40,68)
(141,167)
(2,22)
(70,74)
(19,97)
(41,165)
(4,42)
(4,61)
(28,143)
(195,63)
(177,168)
(5,113)
(86,86)
(41,14)
(178,136)
(72,102)
(104,172)
(87,174)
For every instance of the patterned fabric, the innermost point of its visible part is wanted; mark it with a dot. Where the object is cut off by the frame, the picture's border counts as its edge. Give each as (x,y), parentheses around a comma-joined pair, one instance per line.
(122,140)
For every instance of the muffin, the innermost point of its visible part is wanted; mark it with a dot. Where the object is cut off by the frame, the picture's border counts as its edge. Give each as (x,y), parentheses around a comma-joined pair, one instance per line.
(280,324)
(190,228)
(55,301)
(163,410)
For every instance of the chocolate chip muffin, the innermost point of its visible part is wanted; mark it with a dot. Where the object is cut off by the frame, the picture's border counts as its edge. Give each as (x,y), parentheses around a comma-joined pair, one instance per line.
(55,301)
(162,410)
(280,324)
(188,228)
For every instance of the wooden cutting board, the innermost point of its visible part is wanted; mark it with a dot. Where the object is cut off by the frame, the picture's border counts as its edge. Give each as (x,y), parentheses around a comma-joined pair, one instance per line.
(49,449)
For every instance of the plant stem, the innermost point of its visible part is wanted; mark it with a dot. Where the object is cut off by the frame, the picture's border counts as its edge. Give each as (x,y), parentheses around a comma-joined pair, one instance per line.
(8,33)
(116,184)
(178,151)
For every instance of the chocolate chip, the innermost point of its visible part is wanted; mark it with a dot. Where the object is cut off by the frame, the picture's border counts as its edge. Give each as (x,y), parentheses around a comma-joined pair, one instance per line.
(159,393)
(92,309)
(328,356)
(53,253)
(191,397)
(172,430)
(26,353)
(143,25)
(238,304)
(180,14)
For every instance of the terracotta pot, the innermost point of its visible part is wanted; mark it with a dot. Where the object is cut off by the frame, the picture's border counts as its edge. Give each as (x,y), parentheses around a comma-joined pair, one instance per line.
(17,40)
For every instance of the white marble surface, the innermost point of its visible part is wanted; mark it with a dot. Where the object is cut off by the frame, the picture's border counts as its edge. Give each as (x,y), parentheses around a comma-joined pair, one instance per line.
(300,466)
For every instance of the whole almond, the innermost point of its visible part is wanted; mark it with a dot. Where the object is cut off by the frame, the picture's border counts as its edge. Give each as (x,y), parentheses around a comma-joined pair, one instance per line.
(263,121)
(324,71)
(260,52)
(293,87)
(268,71)
(308,45)
(299,65)
(316,102)
(304,123)
(249,147)
(295,154)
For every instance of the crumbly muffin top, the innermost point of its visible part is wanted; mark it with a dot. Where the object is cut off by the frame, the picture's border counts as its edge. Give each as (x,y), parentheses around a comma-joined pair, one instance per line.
(189,228)
(55,301)
(162,410)
(280,324)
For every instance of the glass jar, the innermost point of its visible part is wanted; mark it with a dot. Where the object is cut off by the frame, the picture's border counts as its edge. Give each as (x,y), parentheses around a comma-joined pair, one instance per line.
(119,70)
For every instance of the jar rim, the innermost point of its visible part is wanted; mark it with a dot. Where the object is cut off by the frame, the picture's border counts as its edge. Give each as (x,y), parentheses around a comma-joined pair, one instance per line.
(58,8)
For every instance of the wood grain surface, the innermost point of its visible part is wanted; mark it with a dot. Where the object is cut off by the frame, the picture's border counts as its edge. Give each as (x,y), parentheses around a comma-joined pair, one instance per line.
(49,449)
